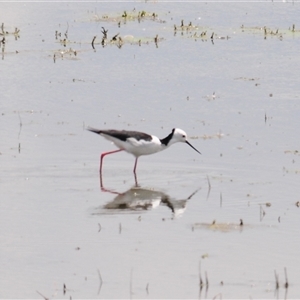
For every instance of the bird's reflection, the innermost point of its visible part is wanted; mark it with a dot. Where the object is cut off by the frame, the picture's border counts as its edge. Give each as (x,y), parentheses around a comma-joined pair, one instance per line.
(138,199)
(177,206)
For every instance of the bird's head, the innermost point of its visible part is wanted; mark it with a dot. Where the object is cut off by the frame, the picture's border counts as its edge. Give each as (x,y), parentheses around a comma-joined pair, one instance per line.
(180,136)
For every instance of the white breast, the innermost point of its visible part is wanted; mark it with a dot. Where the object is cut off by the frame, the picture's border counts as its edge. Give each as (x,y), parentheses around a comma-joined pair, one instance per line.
(141,147)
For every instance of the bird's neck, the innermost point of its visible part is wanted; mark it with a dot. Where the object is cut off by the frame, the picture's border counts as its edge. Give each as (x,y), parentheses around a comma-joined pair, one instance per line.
(166,140)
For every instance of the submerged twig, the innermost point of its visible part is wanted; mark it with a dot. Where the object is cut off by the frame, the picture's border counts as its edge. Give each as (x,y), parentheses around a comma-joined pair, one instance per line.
(277,280)
(206,279)
(100,280)
(114,38)
(156,41)
(286,285)
(104,32)
(93,41)
(200,277)
(3,49)
(262,213)
(209,187)
(120,42)
(212,38)
(21,124)
(66,33)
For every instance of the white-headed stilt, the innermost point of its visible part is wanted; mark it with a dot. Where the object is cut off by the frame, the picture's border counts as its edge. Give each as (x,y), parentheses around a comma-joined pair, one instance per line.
(139,143)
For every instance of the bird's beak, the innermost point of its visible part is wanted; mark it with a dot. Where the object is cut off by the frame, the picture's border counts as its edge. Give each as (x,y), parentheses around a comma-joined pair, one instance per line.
(193,147)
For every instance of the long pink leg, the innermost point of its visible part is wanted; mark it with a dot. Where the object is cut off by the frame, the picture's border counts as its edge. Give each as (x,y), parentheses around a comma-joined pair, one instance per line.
(134,169)
(135,165)
(106,153)
(136,182)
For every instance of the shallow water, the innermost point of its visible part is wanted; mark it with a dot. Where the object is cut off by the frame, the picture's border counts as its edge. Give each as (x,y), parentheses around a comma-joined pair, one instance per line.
(236,96)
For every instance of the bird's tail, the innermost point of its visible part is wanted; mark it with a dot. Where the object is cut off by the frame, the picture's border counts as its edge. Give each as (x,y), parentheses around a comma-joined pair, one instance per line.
(98,131)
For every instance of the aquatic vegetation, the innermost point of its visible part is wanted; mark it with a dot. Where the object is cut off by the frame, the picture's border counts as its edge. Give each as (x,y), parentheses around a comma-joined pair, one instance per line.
(267,32)
(222,227)
(127,16)
(4,32)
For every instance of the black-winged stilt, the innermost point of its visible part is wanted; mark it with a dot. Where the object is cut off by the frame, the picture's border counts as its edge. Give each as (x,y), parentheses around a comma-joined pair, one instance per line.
(139,143)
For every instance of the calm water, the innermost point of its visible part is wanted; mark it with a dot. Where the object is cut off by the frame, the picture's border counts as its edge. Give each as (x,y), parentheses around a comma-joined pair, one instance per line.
(237,96)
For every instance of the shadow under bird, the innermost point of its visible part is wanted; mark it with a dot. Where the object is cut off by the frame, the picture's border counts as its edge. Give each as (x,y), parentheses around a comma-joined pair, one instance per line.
(139,143)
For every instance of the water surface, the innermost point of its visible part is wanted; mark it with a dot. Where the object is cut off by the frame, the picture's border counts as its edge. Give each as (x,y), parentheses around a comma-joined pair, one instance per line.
(237,97)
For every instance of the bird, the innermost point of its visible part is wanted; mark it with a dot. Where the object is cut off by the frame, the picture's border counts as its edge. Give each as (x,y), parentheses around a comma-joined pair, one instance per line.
(140,143)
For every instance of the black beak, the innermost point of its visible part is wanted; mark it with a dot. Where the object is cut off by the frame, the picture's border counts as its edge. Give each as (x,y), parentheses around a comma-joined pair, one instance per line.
(193,147)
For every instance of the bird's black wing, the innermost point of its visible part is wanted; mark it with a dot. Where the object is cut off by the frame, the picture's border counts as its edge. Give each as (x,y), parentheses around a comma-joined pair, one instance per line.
(123,135)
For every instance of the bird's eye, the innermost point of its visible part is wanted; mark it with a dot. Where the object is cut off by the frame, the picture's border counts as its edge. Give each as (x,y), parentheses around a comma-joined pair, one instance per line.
(183,136)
